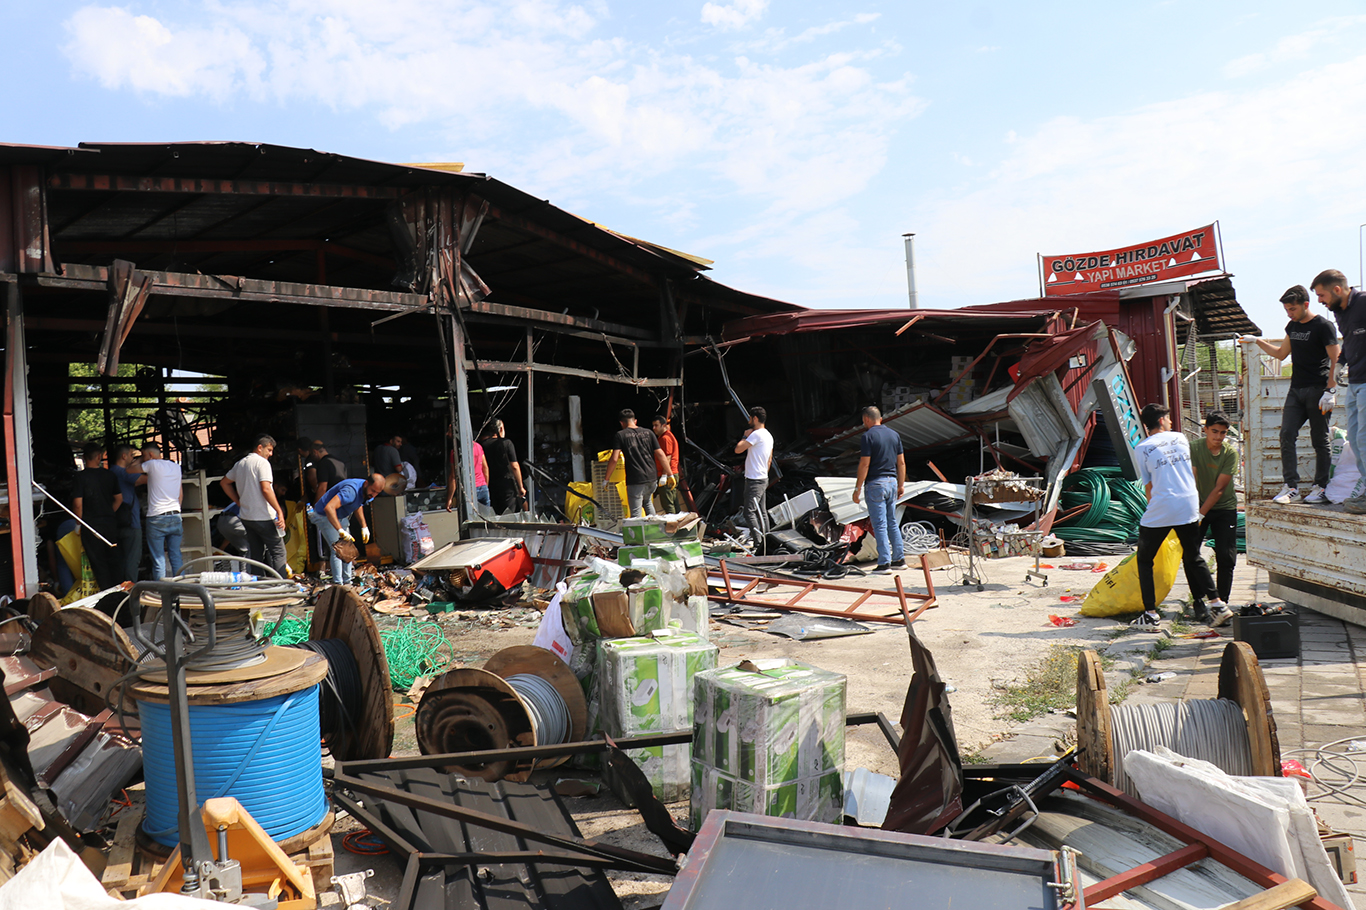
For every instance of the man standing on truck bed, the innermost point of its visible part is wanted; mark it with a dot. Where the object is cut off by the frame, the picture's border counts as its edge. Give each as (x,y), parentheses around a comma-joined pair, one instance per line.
(1349,309)
(1312,345)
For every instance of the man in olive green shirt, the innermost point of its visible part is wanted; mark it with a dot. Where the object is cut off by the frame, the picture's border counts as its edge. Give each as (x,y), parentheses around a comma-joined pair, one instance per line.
(1215,462)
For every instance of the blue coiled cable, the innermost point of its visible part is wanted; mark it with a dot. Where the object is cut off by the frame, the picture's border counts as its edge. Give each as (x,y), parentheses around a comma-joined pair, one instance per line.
(266,754)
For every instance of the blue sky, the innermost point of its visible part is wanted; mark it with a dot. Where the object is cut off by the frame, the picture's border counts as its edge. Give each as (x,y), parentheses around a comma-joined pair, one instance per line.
(793,143)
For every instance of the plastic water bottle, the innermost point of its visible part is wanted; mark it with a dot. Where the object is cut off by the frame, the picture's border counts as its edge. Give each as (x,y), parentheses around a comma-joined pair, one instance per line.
(225,578)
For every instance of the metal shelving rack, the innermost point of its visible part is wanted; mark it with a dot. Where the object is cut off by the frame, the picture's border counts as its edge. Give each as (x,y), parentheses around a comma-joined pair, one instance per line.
(984,490)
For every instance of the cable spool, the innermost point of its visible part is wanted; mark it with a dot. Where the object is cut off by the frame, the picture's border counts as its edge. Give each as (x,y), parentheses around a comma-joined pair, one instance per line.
(340,616)
(523,696)
(255,740)
(340,699)
(1236,732)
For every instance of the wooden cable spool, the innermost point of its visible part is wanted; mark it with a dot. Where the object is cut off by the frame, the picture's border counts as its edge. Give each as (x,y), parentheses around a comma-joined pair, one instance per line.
(467,710)
(340,614)
(89,653)
(1240,681)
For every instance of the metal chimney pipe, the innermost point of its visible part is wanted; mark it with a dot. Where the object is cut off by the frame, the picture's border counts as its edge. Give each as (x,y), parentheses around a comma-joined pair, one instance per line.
(910,267)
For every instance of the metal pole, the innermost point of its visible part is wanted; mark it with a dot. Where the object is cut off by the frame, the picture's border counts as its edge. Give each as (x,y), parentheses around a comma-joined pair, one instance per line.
(576,438)
(910,268)
(19,449)
(465,429)
(528,480)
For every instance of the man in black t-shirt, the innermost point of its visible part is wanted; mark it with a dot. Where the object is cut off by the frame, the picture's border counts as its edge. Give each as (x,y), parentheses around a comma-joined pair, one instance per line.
(506,488)
(645,462)
(1312,345)
(95,498)
(327,470)
(1349,309)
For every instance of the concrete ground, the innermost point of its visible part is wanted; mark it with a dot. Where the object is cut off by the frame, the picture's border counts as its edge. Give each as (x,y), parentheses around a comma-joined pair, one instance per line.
(1317,702)
(982,641)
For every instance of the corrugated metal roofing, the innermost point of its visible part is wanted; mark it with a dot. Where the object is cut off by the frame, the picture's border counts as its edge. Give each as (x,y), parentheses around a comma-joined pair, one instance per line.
(920,426)
(938,321)
(493,885)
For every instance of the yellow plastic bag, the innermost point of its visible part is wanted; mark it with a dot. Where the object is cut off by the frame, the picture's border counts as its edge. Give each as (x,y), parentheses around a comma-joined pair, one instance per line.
(1118,592)
(580,510)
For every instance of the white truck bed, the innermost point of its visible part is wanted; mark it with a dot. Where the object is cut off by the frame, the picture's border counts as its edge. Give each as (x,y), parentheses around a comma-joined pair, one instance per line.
(1315,554)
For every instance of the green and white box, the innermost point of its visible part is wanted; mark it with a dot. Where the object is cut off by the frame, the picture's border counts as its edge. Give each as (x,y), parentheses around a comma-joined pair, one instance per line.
(687,552)
(680,526)
(758,732)
(810,798)
(646,686)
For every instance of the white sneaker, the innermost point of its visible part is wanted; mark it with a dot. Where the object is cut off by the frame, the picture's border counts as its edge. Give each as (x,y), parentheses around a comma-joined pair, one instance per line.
(1219,613)
(1288,494)
(1315,495)
(1359,489)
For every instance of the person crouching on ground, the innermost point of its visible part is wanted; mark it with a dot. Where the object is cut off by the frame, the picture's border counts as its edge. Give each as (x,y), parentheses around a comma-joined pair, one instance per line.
(1215,463)
(1164,467)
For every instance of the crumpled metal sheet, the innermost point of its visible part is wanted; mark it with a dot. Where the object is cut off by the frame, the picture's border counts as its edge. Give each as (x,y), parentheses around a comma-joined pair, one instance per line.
(929,793)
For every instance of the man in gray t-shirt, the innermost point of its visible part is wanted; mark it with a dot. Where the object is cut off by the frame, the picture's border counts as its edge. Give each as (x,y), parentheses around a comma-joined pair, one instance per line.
(250,484)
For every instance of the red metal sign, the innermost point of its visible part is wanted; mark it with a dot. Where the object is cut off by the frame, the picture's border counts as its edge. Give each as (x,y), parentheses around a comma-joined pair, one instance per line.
(1188,253)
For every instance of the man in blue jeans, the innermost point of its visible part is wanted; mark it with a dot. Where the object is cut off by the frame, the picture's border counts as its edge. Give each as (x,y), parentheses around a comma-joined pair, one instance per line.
(1349,309)
(332,513)
(882,472)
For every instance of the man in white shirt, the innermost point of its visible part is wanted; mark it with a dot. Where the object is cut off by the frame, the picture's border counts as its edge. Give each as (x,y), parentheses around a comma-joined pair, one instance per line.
(1165,469)
(165,493)
(757,447)
(250,484)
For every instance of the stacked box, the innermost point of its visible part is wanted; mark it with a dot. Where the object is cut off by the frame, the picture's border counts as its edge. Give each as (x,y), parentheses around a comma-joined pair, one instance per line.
(769,740)
(647,687)
(637,532)
(687,552)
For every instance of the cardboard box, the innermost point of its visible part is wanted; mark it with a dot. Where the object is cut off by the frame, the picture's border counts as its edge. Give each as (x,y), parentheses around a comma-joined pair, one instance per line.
(769,733)
(687,552)
(810,799)
(646,686)
(680,526)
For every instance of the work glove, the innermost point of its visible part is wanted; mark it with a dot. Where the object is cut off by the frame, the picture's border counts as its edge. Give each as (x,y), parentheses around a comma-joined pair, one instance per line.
(1247,339)
(365,535)
(672,480)
(1327,400)
(344,534)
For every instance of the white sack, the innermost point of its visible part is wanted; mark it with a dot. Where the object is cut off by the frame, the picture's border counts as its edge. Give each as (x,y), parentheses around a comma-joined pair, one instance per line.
(1345,474)
(1265,818)
(56,879)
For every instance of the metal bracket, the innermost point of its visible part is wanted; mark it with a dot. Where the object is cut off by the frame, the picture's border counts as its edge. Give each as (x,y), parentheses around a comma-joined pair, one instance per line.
(351,887)
(1167,374)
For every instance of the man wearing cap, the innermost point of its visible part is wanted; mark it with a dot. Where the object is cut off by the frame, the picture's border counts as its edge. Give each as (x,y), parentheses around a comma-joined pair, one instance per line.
(1311,343)
(332,512)
(1349,309)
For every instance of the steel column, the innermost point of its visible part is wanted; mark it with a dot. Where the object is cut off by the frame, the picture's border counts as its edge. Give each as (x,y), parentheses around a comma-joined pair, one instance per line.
(465,430)
(528,479)
(19,449)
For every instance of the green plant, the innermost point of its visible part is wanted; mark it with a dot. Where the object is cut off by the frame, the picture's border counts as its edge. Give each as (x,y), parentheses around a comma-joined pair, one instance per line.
(1160,647)
(1049,685)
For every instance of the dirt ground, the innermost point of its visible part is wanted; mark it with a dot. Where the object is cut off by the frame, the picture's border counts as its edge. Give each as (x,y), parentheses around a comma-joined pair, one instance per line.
(981,640)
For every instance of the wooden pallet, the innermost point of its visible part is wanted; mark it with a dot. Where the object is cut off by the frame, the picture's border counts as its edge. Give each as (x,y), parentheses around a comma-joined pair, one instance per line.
(130,869)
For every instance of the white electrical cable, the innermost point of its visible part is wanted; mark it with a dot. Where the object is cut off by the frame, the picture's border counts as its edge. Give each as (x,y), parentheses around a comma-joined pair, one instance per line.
(919,538)
(549,713)
(1211,730)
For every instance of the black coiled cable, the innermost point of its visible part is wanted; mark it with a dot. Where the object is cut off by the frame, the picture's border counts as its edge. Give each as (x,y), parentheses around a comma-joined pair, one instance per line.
(340,704)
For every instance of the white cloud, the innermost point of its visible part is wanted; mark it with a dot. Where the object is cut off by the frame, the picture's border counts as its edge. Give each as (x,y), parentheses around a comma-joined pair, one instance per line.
(549,99)
(120,49)
(733,15)
(1076,184)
